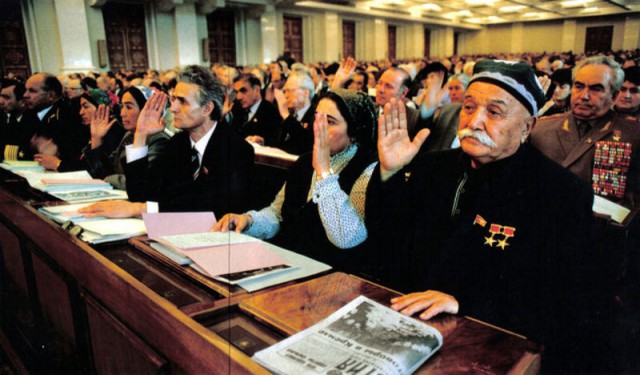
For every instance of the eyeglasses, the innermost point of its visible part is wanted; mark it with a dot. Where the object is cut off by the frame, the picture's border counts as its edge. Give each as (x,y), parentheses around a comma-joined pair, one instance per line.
(74,88)
(290,89)
(632,90)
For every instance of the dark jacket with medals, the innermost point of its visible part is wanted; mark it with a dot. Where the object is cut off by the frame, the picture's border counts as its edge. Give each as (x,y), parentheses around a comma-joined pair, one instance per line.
(509,241)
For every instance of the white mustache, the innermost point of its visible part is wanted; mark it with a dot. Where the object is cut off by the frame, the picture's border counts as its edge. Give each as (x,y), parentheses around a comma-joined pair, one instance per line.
(478,135)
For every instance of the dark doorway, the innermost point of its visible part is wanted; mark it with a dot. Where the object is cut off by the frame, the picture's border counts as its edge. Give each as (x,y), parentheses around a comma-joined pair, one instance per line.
(598,39)
(222,37)
(427,42)
(348,39)
(293,37)
(14,55)
(391,41)
(126,36)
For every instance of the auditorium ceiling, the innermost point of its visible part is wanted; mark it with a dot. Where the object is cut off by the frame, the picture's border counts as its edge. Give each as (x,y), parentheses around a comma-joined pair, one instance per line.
(476,12)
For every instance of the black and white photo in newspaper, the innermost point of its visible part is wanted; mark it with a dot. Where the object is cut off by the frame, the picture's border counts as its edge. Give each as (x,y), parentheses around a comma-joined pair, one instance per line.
(363,337)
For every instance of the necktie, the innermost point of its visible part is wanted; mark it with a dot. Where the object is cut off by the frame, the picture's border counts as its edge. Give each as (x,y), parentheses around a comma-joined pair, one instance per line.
(194,163)
(583,128)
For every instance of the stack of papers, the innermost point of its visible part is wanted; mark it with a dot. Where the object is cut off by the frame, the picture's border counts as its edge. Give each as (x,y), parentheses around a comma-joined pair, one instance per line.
(76,184)
(273,152)
(73,187)
(21,165)
(604,206)
(229,257)
(98,229)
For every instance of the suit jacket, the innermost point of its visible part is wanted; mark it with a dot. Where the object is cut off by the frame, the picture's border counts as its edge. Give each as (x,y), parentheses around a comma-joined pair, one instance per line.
(444,129)
(264,123)
(509,241)
(15,137)
(296,136)
(107,163)
(222,185)
(67,133)
(557,137)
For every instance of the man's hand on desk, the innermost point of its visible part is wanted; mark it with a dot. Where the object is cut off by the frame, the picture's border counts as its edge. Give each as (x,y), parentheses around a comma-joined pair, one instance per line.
(235,222)
(255,139)
(49,162)
(431,301)
(114,209)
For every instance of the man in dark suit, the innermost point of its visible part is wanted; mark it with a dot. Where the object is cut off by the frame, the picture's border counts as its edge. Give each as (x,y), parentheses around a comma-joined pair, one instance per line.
(254,119)
(58,137)
(493,230)
(206,167)
(295,134)
(577,140)
(15,134)
(394,83)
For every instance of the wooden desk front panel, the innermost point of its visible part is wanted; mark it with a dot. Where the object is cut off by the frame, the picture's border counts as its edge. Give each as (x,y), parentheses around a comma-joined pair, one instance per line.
(116,349)
(185,343)
(12,261)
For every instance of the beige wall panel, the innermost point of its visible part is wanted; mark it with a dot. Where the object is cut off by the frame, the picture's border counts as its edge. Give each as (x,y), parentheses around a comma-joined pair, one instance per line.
(45,32)
(539,37)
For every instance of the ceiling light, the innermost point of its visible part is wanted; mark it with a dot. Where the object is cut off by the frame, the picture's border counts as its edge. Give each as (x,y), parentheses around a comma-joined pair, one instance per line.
(480,2)
(511,8)
(575,3)
(464,13)
(531,14)
(431,7)
(590,10)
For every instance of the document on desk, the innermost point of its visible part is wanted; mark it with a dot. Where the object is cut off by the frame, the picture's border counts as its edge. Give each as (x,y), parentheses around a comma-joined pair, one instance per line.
(62,213)
(361,337)
(175,223)
(273,152)
(604,206)
(21,165)
(109,230)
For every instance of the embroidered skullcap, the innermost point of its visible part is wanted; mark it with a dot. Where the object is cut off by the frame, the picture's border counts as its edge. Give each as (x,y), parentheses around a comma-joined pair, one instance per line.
(562,76)
(632,74)
(515,78)
(140,94)
(97,97)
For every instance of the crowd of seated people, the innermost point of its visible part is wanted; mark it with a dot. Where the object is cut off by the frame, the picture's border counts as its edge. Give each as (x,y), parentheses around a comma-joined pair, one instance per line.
(467,182)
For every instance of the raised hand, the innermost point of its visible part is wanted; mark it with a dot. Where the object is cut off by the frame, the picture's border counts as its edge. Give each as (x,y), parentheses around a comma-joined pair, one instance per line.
(150,120)
(395,148)
(344,73)
(321,148)
(227,106)
(433,94)
(545,83)
(100,125)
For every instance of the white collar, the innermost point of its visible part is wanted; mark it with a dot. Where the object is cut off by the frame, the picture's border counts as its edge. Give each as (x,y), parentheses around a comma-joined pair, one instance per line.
(253,109)
(201,145)
(302,112)
(43,112)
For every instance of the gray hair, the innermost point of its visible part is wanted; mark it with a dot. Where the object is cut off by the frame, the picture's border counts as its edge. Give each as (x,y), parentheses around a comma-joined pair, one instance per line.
(460,77)
(617,73)
(304,82)
(210,88)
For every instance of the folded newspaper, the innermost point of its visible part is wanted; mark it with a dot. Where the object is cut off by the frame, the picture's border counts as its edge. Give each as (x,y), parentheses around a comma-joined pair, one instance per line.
(362,337)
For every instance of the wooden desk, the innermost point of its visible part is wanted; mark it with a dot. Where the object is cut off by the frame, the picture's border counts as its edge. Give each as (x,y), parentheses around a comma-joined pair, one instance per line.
(469,346)
(118,310)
